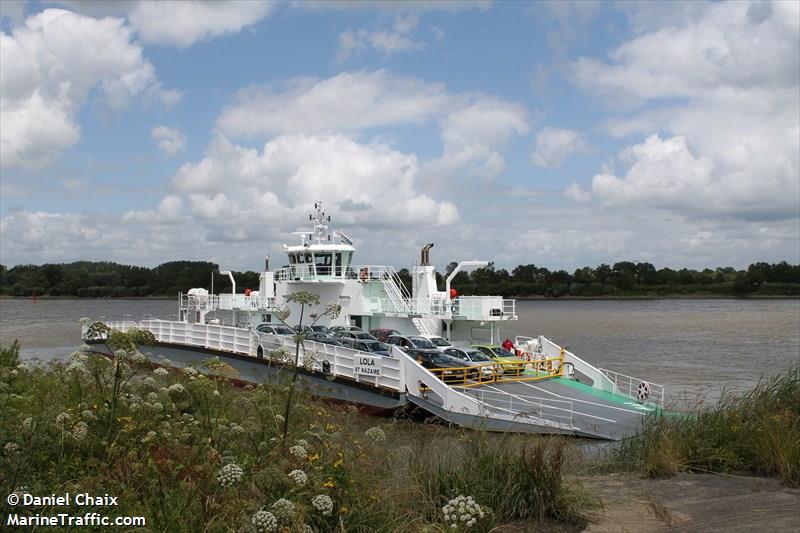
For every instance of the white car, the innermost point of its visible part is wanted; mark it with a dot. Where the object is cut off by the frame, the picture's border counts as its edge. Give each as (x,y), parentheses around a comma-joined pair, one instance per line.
(441,343)
(275,329)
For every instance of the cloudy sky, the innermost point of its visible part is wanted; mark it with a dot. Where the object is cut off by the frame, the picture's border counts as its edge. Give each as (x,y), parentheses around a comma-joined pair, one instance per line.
(562,134)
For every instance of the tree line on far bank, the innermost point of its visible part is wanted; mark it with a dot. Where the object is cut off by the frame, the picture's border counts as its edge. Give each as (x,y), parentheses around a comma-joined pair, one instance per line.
(622,279)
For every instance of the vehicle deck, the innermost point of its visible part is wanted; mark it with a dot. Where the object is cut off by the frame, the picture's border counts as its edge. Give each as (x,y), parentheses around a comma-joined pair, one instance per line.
(592,412)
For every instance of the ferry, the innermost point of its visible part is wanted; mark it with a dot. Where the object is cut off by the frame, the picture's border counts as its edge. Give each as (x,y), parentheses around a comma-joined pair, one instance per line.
(541,387)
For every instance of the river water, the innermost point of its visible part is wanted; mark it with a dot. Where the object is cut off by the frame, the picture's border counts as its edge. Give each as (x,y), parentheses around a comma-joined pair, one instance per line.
(695,348)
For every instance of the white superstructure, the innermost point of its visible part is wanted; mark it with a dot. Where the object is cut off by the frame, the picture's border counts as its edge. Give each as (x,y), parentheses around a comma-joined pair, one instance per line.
(371,296)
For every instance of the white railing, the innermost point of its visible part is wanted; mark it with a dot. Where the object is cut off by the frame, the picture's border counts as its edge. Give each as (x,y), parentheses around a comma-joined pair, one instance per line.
(531,406)
(244,341)
(396,291)
(312,272)
(599,380)
(635,388)
(484,308)
(225,302)
(341,360)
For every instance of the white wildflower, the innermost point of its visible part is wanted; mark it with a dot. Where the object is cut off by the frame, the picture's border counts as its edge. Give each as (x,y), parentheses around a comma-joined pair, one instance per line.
(264,522)
(166,362)
(279,419)
(120,353)
(323,504)
(299,477)
(157,407)
(189,371)
(80,431)
(230,474)
(11,448)
(177,388)
(23,367)
(302,442)
(161,372)
(88,416)
(62,417)
(27,424)
(283,509)
(151,435)
(152,397)
(150,382)
(375,434)
(462,509)
(236,428)
(298,451)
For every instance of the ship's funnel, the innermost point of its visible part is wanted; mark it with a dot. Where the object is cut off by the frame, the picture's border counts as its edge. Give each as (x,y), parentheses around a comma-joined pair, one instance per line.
(425,258)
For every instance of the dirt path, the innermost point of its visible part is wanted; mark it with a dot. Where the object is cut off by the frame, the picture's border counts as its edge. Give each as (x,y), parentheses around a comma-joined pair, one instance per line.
(693,503)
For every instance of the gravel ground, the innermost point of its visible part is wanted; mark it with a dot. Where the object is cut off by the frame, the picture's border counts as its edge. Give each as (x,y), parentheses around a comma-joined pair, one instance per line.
(693,503)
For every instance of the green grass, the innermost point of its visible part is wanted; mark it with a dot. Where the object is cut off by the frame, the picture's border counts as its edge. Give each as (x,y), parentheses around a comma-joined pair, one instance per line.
(757,432)
(161,441)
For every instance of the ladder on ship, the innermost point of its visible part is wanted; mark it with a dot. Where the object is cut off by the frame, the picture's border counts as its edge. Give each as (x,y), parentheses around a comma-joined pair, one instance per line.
(422,326)
(396,292)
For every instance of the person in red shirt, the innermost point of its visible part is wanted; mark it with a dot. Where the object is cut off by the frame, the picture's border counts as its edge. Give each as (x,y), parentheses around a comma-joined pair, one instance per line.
(508,345)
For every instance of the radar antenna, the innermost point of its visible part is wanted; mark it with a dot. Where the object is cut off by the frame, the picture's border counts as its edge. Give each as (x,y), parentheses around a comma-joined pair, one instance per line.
(321,220)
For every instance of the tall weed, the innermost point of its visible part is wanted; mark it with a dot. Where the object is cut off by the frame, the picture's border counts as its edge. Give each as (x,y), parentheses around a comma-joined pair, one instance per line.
(756,432)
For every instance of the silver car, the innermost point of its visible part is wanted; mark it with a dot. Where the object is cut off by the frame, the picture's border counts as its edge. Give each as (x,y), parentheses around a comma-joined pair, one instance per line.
(471,356)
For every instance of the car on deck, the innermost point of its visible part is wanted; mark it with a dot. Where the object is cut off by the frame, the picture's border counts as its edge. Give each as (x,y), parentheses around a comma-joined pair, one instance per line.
(511,363)
(275,329)
(359,335)
(383,333)
(440,342)
(335,329)
(316,328)
(368,345)
(436,360)
(472,356)
(324,339)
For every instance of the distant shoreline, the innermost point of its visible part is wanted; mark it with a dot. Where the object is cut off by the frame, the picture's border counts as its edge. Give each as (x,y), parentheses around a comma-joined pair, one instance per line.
(518,298)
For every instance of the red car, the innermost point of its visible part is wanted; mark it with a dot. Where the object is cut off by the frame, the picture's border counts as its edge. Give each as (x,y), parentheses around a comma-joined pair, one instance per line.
(383,333)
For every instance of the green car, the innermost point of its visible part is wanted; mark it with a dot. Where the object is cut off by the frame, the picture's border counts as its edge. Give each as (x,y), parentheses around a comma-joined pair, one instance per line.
(510,362)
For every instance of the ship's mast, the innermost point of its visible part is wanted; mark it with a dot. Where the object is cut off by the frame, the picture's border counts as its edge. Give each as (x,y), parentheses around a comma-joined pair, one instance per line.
(321,231)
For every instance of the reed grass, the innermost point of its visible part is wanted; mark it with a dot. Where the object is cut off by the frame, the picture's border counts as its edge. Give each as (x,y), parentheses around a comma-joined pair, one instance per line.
(756,432)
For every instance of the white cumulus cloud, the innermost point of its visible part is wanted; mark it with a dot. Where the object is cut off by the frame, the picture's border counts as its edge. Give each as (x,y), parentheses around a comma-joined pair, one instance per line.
(723,139)
(49,65)
(386,42)
(362,184)
(472,125)
(170,140)
(347,101)
(182,23)
(553,145)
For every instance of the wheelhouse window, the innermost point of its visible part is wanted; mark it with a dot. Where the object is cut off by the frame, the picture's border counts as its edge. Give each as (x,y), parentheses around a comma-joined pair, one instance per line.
(323,263)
